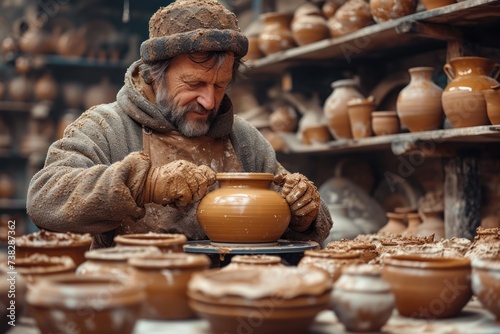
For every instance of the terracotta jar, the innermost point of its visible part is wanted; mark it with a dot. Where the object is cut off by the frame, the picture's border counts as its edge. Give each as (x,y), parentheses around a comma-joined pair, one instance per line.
(7,186)
(309,25)
(395,224)
(350,17)
(40,266)
(46,88)
(428,287)
(492,98)
(360,116)
(385,123)
(362,299)
(385,10)
(486,283)
(5,142)
(463,99)
(432,223)
(276,35)
(165,279)
(252,261)
(166,242)
(335,107)
(419,103)
(87,305)
(413,220)
(332,261)
(244,210)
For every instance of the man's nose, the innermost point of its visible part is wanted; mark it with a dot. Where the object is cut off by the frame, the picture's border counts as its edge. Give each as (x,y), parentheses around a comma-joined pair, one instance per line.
(206,97)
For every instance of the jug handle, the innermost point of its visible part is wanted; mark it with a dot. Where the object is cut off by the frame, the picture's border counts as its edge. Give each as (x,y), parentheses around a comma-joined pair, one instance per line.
(495,74)
(448,70)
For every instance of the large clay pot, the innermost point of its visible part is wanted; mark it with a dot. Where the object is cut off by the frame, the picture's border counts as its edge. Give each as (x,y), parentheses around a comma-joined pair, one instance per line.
(360,116)
(72,93)
(385,10)
(351,16)
(419,103)
(492,98)
(276,35)
(244,210)
(39,266)
(332,261)
(362,299)
(253,261)
(463,99)
(335,107)
(308,25)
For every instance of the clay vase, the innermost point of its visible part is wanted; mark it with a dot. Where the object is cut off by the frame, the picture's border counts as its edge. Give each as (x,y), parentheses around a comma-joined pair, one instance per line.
(330,7)
(7,186)
(385,123)
(428,287)
(46,88)
(362,299)
(413,220)
(165,279)
(100,93)
(335,107)
(492,98)
(486,283)
(350,17)
(276,35)
(395,224)
(332,261)
(69,303)
(418,104)
(166,242)
(432,223)
(385,10)
(309,25)
(244,210)
(463,99)
(360,116)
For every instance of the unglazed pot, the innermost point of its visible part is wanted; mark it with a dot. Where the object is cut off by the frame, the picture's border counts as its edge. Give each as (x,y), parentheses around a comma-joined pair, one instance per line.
(432,223)
(428,287)
(166,242)
(335,107)
(433,4)
(463,99)
(360,116)
(165,279)
(244,210)
(332,261)
(309,25)
(351,16)
(362,299)
(419,103)
(281,299)
(486,283)
(276,35)
(252,261)
(386,10)
(395,224)
(492,98)
(385,123)
(40,266)
(86,305)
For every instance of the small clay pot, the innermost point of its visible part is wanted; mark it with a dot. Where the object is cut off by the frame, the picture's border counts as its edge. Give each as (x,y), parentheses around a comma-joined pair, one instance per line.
(332,261)
(385,123)
(276,35)
(432,223)
(395,224)
(40,266)
(350,17)
(46,88)
(386,10)
(360,116)
(315,134)
(486,283)
(165,279)
(166,242)
(254,52)
(283,119)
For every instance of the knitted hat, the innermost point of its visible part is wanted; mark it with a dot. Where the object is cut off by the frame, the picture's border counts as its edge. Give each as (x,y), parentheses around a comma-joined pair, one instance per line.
(187,26)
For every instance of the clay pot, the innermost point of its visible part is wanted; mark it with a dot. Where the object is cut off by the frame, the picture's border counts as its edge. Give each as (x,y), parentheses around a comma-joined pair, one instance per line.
(330,7)
(165,279)
(428,287)
(350,17)
(254,52)
(463,99)
(103,92)
(413,220)
(54,244)
(113,261)
(362,299)
(276,35)
(309,27)
(46,88)
(486,283)
(252,261)
(244,210)
(432,223)
(492,98)
(385,123)
(40,266)
(433,4)
(295,296)
(335,107)
(419,103)
(72,43)
(332,261)
(87,304)
(360,116)
(166,242)
(395,224)
(315,134)
(283,119)
(386,10)
(7,186)
(20,89)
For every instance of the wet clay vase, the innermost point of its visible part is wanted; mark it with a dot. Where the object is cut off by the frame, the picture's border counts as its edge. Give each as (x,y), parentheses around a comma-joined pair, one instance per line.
(432,223)
(360,116)
(362,299)
(276,35)
(350,17)
(332,261)
(386,10)
(254,52)
(244,210)
(335,107)
(85,305)
(165,279)
(486,283)
(54,244)
(284,299)
(418,104)
(492,98)
(395,224)
(166,242)
(428,287)
(40,266)
(309,25)
(463,99)
(385,123)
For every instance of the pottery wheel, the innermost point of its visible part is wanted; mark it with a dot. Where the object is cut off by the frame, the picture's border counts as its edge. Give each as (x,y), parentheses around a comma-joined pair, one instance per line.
(279,247)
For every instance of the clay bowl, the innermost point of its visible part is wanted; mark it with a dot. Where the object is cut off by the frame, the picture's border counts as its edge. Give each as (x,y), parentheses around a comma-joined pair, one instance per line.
(71,303)
(54,244)
(428,287)
(41,266)
(486,283)
(385,123)
(166,242)
(264,300)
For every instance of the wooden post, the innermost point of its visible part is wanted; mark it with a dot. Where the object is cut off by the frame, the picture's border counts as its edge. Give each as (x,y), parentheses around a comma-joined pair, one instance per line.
(462,196)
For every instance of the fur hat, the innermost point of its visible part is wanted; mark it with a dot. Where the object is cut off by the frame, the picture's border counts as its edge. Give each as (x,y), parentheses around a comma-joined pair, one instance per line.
(187,26)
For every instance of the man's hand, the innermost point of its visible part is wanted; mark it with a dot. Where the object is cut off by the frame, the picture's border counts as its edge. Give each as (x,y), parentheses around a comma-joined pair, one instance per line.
(180,182)
(302,197)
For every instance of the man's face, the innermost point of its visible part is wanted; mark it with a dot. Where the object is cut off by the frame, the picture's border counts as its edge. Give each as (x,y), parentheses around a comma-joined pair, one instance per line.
(193,92)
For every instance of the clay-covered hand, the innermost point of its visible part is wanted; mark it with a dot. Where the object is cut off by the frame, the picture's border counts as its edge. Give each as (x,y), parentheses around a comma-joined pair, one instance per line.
(302,197)
(179,182)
